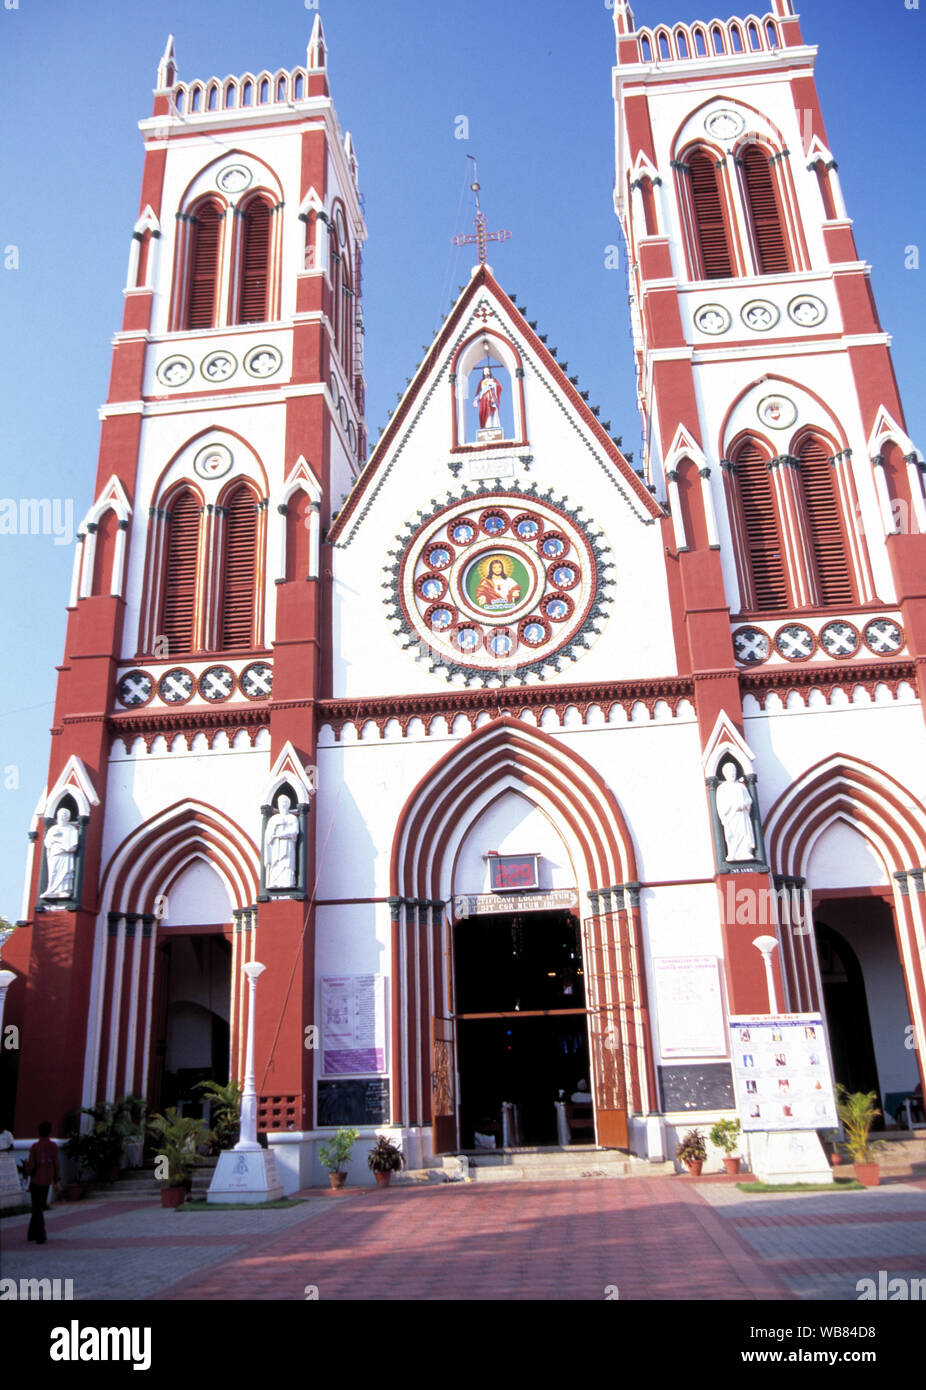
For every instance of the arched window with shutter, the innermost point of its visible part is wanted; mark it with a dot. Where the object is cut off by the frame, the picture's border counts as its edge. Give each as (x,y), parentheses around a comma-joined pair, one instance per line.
(710,223)
(764,550)
(239,571)
(178,607)
(764,208)
(823,520)
(204,250)
(254,263)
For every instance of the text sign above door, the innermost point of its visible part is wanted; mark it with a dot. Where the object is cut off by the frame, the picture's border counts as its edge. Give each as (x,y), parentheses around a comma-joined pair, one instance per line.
(479,904)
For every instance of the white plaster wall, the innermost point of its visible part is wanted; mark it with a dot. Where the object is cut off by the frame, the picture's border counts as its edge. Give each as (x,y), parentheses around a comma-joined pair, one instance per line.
(842,858)
(512,825)
(198,897)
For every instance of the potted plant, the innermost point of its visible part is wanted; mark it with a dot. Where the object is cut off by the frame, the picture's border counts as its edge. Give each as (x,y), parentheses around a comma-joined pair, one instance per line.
(130,1117)
(830,1140)
(725,1135)
(176,1139)
(224,1111)
(335,1155)
(858,1111)
(692,1151)
(385,1158)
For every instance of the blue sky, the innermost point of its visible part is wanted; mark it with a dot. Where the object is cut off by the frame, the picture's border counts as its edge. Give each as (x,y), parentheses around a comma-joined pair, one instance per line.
(533,79)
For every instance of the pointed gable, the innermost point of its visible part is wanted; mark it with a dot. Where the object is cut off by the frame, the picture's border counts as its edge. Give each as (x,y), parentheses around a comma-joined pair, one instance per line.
(484,311)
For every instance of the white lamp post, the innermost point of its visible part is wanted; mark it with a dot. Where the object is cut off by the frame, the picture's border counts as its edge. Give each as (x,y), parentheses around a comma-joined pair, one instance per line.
(767,944)
(248,1136)
(247,1173)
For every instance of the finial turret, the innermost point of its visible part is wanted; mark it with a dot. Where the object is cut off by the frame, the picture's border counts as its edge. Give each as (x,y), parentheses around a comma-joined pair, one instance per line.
(317,55)
(167,67)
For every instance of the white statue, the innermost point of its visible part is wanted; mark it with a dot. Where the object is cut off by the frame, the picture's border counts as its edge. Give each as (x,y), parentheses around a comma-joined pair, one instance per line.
(734,807)
(280,846)
(61,843)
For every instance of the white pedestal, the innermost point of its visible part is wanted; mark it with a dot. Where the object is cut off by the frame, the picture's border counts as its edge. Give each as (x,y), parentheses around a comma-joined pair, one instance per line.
(245,1175)
(789,1156)
(11,1188)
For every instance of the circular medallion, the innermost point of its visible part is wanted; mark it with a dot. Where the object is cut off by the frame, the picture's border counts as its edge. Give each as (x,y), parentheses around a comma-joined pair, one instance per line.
(839,639)
(175,371)
(256,681)
(712,318)
(724,125)
(795,642)
(499,590)
(263,361)
(751,645)
(234,178)
(883,636)
(499,583)
(807,310)
(217,683)
(218,366)
(176,686)
(760,315)
(214,461)
(464,531)
(134,689)
(778,412)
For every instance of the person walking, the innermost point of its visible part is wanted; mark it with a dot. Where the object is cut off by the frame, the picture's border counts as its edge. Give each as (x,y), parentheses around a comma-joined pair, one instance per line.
(43,1169)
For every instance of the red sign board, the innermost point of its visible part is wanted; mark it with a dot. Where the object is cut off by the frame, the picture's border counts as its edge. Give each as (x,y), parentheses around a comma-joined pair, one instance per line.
(513,873)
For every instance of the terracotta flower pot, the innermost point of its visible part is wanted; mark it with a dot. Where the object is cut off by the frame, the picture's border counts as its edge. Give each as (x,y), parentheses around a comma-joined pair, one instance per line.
(835,1159)
(694,1166)
(76,1190)
(172,1196)
(731,1165)
(868,1174)
(337,1179)
(382,1179)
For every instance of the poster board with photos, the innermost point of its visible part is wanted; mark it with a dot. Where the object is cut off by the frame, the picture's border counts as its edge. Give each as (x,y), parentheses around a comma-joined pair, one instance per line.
(781,1072)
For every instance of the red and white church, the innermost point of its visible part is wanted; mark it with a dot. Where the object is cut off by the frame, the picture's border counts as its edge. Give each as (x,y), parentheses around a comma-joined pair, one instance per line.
(501,764)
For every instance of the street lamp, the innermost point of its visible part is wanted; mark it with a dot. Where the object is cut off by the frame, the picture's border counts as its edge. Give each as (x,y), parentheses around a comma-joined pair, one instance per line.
(248,1138)
(767,944)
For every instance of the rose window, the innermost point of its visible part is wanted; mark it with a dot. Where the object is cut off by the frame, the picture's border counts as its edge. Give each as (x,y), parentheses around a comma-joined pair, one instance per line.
(502,589)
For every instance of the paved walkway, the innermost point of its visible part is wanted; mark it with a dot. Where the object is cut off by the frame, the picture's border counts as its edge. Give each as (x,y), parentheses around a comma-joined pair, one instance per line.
(531,1240)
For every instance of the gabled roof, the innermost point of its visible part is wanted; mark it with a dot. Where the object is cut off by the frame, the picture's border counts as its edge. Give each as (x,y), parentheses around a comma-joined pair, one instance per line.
(483,282)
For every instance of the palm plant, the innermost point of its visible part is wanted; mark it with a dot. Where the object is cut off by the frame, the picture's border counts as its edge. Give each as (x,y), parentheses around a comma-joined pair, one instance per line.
(225,1110)
(177,1138)
(858,1111)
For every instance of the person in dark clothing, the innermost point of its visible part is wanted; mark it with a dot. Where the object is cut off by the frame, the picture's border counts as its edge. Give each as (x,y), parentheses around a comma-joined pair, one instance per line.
(43,1169)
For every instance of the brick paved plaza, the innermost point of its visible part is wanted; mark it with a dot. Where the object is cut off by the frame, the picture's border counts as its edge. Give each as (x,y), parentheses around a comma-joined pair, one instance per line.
(527,1241)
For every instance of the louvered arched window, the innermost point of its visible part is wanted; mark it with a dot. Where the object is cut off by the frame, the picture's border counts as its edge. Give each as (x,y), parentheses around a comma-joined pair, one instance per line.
(178,613)
(202,293)
(711,231)
(762,203)
(764,549)
(239,571)
(254,272)
(825,535)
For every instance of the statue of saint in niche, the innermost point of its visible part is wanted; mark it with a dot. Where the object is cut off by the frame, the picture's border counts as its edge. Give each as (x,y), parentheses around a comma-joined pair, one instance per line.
(280,846)
(734,807)
(61,843)
(488,399)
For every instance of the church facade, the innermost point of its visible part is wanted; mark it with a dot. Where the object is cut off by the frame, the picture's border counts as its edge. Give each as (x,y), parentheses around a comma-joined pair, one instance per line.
(502,765)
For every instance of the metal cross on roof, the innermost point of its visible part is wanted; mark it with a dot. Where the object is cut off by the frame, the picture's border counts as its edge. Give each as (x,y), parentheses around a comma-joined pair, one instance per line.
(480,222)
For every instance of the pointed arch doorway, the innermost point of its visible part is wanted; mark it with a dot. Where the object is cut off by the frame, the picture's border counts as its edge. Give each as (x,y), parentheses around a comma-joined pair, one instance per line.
(506,783)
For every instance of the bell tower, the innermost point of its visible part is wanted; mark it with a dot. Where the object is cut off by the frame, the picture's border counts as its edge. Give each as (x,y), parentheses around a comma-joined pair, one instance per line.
(771,416)
(199,608)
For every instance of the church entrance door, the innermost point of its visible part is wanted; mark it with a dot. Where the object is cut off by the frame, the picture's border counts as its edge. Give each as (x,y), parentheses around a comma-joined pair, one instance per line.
(521,1022)
(190,1038)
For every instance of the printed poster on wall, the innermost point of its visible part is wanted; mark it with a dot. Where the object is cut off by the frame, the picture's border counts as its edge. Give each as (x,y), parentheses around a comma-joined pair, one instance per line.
(781,1072)
(353,1024)
(689,1006)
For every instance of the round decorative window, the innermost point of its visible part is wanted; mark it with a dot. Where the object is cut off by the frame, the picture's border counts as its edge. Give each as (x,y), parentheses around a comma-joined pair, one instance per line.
(501,589)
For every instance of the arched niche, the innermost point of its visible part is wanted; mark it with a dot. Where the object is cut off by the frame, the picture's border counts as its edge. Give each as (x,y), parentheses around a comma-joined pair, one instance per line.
(472,427)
